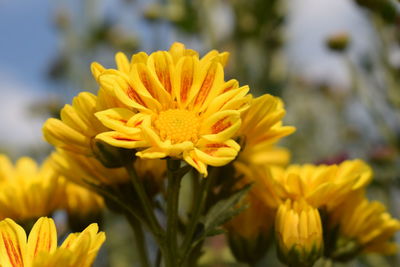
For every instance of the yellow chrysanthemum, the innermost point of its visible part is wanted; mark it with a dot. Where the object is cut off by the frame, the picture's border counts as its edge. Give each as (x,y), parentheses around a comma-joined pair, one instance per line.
(27,191)
(322,185)
(77,127)
(179,106)
(367,223)
(261,129)
(81,202)
(299,233)
(40,249)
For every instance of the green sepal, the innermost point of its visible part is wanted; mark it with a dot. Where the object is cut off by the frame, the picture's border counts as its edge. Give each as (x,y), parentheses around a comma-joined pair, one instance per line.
(110,156)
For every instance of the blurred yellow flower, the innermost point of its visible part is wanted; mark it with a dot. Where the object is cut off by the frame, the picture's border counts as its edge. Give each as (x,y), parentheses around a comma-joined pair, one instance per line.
(40,249)
(81,202)
(77,127)
(179,106)
(299,233)
(367,223)
(261,129)
(28,191)
(322,185)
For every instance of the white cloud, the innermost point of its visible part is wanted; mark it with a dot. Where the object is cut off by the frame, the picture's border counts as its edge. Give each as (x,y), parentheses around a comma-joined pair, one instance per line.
(18,126)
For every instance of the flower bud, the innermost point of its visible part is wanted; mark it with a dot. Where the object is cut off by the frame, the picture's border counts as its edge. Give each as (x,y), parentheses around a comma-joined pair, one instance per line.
(299,233)
(338,42)
(249,233)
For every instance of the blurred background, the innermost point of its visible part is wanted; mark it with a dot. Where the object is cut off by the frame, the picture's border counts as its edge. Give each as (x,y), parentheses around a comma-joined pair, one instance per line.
(335,63)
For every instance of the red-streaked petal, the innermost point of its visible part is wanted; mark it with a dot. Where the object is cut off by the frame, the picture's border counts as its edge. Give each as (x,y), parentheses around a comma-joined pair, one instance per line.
(117,119)
(211,84)
(161,64)
(12,244)
(42,238)
(220,126)
(216,154)
(144,80)
(191,158)
(184,79)
(118,139)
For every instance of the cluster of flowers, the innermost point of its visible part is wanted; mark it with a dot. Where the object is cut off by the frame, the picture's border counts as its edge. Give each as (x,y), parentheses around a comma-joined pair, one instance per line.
(174,104)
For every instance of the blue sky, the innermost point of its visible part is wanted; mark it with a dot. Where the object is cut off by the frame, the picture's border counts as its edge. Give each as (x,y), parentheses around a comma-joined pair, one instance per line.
(28,41)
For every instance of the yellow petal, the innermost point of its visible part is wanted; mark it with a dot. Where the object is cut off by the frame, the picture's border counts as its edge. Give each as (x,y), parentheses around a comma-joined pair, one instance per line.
(12,244)
(140,57)
(160,64)
(184,79)
(122,62)
(210,84)
(191,158)
(42,238)
(220,126)
(118,139)
(97,70)
(145,80)
(117,119)
(217,154)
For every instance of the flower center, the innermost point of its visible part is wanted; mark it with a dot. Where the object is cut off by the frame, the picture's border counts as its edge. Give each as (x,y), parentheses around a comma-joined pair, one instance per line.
(177,125)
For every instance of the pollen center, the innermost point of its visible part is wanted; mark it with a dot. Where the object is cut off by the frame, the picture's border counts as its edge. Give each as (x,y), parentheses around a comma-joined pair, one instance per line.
(177,125)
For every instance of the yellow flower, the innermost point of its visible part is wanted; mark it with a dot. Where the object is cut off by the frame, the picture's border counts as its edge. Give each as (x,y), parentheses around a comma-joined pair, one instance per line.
(27,191)
(261,129)
(322,185)
(40,249)
(299,233)
(77,127)
(178,105)
(81,169)
(366,223)
(81,202)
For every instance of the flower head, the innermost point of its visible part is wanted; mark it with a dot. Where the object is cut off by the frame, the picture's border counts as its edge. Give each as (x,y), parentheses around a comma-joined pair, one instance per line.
(261,129)
(40,249)
(77,126)
(28,191)
(322,185)
(177,105)
(364,226)
(299,233)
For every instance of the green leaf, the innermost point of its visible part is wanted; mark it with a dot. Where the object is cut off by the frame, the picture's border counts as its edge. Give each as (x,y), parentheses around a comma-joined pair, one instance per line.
(223,211)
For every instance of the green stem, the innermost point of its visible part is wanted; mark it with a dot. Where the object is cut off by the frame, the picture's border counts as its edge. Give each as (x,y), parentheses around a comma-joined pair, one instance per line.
(140,241)
(199,204)
(154,226)
(174,182)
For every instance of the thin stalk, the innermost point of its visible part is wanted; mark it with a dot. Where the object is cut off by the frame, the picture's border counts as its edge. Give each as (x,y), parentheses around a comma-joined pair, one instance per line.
(154,225)
(174,182)
(140,241)
(199,205)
